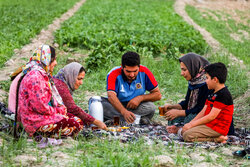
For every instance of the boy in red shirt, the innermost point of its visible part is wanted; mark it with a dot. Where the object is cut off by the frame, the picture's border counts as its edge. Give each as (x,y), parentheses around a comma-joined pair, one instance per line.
(213,122)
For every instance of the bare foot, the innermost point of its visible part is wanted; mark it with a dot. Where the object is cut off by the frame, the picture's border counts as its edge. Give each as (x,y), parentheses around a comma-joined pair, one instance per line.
(222,139)
(172,129)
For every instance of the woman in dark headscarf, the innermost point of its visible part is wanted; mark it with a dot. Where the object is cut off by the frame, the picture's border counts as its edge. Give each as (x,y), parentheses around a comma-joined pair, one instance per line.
(192,69)
(67,80)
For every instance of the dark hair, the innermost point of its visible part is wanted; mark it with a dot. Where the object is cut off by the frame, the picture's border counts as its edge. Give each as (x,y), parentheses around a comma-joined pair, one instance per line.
(130,59)
(218,70)
(81,70)
(53,54)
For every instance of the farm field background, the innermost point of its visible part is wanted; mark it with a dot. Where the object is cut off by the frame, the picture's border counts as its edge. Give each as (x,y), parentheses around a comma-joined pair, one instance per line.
(22,20)
(96,36)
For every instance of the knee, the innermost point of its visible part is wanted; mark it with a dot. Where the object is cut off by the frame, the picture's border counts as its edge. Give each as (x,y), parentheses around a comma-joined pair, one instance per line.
(150,107)
(187,136)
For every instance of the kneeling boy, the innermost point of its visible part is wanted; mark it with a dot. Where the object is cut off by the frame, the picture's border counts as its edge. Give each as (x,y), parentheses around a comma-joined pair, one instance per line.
(213,122)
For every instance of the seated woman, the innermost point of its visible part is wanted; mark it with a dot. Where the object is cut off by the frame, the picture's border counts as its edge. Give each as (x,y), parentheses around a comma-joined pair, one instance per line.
(191,66)
(40,107)
(192,69)
(67,80)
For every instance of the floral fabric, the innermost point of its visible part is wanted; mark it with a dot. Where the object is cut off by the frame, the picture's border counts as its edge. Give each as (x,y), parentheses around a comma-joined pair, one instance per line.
(70,125)
(36,107)
(41,58)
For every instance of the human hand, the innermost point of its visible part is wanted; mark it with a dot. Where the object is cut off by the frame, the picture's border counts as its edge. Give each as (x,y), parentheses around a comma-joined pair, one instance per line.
(100,124)
(172,114)
(128,116)
(172,129)
(167,107)
(186,127)
(134,103)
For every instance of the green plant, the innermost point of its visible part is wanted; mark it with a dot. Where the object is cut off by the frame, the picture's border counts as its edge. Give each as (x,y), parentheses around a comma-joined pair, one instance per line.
(22,20)
(110,28)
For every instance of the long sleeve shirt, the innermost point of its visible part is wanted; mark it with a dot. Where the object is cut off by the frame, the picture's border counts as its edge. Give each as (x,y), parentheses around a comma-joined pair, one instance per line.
(34,98)
(202,96)
(70,104)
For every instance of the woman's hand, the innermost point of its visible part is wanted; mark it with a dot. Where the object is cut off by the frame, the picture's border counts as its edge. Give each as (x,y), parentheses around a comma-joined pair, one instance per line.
(172,114)
(100,124)
(167,107)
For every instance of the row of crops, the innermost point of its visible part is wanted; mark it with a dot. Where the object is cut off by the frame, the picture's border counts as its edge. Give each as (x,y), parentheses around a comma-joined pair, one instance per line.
(21,20)
(109,28)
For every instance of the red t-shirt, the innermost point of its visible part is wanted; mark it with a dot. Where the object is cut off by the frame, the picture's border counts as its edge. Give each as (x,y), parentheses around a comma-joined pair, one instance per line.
(221,100)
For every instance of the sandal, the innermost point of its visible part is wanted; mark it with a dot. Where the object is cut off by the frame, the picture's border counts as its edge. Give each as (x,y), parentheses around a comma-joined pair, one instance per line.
(239,153)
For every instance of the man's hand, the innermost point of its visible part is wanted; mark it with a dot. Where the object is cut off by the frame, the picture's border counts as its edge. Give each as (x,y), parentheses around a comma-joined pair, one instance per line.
(172,114)
(128,116)
(100,124)
(186,127)
(134,103)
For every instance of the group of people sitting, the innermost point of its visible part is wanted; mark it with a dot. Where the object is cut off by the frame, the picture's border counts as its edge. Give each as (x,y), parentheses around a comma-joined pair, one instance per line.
(44,104)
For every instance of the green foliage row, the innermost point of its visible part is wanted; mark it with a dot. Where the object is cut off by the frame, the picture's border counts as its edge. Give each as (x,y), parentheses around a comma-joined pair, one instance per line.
(221,30)
(22,20)
(109,28)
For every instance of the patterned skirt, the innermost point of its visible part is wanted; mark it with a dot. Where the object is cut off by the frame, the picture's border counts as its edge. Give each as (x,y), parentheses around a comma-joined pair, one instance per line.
(70,125)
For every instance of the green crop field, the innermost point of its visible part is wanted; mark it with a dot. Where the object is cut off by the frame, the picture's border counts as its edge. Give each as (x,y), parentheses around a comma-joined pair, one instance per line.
(109,28)
(222,30)
(96,36)
(21,20)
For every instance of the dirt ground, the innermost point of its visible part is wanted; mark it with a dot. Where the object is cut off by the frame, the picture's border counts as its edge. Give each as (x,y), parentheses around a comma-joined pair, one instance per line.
(239,10)
(227,6)
(230,7)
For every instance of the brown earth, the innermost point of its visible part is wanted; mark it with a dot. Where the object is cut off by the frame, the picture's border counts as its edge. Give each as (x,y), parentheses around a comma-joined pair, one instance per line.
(46,36)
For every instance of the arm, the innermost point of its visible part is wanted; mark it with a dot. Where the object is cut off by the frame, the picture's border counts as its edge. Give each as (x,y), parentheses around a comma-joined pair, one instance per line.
(177,110)
(184,103)
(154,95)
(201,114)
(70,104)
(202,120)
(129,116)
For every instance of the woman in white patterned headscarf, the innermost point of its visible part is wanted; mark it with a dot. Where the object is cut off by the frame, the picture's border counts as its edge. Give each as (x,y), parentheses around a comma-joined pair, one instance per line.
(40,107)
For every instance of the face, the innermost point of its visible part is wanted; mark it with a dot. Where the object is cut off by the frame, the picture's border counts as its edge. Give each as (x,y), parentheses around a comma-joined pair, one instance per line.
(210,82)
(52,65)
(79,80)
(131,72)
(184,72)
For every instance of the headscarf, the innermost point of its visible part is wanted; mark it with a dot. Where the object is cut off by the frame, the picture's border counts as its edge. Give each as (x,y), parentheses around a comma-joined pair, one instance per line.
(40,60)
(69,74)
(195,65)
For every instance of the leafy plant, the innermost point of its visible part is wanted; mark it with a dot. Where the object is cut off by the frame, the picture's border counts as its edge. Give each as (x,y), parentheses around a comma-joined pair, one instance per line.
(110,28)
(22,20)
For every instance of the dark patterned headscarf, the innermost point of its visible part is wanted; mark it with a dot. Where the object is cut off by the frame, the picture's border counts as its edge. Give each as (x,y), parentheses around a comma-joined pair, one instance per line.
(195,65)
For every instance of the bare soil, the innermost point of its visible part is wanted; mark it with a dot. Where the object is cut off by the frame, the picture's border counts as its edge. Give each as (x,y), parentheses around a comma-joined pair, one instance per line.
(46,36)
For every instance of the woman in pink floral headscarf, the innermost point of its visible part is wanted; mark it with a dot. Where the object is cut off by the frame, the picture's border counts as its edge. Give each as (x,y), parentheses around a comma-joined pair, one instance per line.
(40,107)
